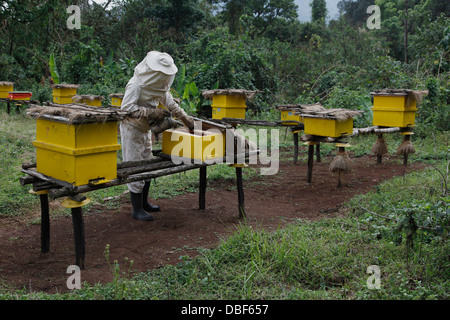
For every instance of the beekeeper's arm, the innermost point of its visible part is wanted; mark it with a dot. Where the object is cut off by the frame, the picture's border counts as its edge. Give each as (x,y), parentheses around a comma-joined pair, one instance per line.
(129,103)
(177,111)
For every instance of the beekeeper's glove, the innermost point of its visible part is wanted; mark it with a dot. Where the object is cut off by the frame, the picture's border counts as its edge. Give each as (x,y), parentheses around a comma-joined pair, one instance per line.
(188,122)
(153,115)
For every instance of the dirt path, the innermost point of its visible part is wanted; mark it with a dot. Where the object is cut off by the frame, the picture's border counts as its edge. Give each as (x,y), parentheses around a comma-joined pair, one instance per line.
(270,201)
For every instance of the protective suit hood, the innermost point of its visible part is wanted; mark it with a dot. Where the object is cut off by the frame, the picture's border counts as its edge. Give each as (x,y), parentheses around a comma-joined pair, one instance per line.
(156,73)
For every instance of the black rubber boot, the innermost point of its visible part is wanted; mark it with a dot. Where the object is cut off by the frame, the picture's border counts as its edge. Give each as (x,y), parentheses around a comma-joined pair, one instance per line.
(138,211)
(145,204)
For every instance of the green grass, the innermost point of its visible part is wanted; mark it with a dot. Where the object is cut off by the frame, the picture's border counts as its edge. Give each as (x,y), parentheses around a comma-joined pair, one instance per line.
(16,135)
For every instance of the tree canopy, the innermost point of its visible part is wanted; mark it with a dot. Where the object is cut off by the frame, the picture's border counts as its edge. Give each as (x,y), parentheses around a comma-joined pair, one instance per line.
(256,44)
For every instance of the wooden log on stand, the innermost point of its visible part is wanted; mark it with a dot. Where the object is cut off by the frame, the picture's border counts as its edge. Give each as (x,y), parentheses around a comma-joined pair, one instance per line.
(295,136)
(45,219)
(318,159)
(78,233)
(45,223)
(310,145)
(202,188)
(240,188)
(78,226)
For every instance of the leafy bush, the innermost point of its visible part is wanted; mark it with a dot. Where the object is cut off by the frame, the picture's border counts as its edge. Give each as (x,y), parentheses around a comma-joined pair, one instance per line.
(434,112)
(352,99)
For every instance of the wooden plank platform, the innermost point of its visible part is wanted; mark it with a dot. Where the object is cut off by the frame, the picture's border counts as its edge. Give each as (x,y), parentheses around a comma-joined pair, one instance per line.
(158,166)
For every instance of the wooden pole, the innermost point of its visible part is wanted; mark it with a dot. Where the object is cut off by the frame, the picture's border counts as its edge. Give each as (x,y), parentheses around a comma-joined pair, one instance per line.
(318,159)
(379,159)
(374,129)
(295,147)
(310,162)
(202,191)
(45,223)
(240,190)
(78,233)
(339,185)
(380,156)
(339,179)
(405,155)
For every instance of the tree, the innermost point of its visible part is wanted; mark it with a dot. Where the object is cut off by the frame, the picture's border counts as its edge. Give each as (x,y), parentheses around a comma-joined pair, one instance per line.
(355,11)
(262,13)
(181,15)
(318,10)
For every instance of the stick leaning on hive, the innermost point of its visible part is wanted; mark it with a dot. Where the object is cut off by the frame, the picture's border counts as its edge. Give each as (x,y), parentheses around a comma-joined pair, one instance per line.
(318,111)
(73,113)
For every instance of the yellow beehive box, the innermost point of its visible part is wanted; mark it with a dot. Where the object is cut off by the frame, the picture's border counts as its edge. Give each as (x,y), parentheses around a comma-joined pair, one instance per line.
(393,117)
(116,99)
(200,145)
(90,100)
(5,89)
(63,93)
(395,101)
(62,100)
(80,154)
(228,106)
(220,112)
(289,115)
(393,109)
(327,127)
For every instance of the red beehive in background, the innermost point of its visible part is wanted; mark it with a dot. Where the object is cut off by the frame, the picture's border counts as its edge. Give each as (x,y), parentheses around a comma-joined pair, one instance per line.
(20,95)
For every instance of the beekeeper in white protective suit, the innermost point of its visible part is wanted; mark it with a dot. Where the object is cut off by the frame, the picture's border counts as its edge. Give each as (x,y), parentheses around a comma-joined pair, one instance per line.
(148,88)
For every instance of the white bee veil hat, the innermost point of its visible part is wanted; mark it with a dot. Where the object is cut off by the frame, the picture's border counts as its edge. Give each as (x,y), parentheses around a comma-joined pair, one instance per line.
(162,62)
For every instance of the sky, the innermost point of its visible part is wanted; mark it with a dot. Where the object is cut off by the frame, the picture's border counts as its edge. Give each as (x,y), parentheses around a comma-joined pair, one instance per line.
(304,10)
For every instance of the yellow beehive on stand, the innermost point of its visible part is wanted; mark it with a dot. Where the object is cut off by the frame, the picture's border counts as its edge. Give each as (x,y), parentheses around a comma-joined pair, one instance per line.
(289,113)
(116,99)
(228,106)
(327,127)
(63,93)
(5,89)
(200,145)
(90,100)
(393,109)
(80,153)
(228,103)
